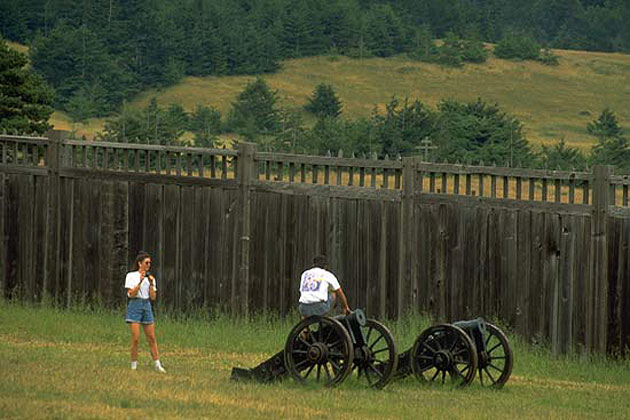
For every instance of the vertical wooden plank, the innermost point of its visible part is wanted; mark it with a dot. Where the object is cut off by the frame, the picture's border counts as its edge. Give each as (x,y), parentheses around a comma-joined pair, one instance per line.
(169,264)
(506,187)
(120,239)
(406,240)
(105,260)
(11,281)
(557,190)
(624,297)
(536,291)
(39,232)
(511,289)
(213,170)
(493,186)
(523,262)
(468,184)
(26,225)
(197,238)
(3,232)
(550,270)
(597,311)
(245,174)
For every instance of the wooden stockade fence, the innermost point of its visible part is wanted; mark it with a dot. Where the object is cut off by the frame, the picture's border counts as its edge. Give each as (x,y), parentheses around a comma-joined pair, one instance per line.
(546,251)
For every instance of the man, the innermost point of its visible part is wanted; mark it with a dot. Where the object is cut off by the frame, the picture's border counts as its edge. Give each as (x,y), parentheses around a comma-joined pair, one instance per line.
(315,296)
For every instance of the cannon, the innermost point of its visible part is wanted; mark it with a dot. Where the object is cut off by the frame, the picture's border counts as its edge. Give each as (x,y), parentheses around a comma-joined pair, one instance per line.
(457,352)
(326,350)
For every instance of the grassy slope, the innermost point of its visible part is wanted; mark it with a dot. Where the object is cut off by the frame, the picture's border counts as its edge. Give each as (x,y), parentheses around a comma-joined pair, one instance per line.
(552,101)
(74,365)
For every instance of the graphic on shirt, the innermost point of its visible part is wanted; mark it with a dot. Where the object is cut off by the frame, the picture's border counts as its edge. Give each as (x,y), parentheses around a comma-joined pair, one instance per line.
(311,283)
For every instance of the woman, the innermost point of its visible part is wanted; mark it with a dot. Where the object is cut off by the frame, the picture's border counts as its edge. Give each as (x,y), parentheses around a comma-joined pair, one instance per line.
(141,287)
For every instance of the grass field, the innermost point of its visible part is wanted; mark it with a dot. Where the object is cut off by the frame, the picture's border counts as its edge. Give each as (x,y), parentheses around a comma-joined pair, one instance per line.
(552,101)
(73,364)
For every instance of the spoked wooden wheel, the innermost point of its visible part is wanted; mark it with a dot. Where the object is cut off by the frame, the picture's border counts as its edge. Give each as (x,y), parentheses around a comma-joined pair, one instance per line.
(444,351)
(319,350)
(376,360)
(495,364)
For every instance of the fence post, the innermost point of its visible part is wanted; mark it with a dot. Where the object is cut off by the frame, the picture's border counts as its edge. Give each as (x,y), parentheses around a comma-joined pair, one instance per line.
(52,239)
(245,175)
(406,238)
(597,305)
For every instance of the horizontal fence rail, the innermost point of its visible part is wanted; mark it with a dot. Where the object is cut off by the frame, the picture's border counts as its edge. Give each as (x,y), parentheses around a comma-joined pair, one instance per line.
(326,170)
(22,151)
(149,159)
(504,183)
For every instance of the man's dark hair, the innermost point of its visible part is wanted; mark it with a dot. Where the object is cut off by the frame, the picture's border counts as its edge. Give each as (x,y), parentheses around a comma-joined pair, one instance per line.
(320,261)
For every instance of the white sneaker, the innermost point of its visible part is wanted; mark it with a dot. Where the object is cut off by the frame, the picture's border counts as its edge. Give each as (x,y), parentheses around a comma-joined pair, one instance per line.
(134,365)
(160,369)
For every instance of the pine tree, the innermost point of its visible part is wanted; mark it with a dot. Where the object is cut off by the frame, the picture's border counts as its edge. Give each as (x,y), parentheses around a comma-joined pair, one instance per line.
(324,102)
(25,99)
(560,156)
(254,111)
(606,125)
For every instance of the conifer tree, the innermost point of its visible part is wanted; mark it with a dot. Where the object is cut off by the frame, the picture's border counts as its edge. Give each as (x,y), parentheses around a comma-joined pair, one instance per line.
(25,99)
(324,102)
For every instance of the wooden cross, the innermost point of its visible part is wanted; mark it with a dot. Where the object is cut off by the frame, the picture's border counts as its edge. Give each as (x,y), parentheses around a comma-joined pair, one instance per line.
(426,145)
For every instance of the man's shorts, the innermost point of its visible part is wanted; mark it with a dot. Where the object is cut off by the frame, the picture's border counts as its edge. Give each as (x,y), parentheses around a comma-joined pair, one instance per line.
(316,308)
(139,311)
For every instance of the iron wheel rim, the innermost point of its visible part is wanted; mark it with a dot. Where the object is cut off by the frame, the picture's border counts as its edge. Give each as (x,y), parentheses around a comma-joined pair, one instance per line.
(323,354)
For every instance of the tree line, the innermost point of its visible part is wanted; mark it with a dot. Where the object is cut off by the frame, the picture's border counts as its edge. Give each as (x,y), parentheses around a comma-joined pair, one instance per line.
(97,53)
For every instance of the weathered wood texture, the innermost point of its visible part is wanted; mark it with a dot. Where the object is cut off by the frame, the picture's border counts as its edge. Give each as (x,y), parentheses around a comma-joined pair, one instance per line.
(555,270)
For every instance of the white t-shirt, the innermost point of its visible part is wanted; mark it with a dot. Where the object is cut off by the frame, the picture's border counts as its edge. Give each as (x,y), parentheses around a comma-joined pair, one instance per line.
(132,280)
(314,285)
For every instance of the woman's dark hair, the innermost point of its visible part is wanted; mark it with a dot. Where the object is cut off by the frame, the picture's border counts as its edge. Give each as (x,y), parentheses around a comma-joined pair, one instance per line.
(139,258)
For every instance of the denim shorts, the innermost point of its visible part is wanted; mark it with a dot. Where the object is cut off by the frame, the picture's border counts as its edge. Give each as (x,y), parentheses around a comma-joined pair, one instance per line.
(139,311)
(316,308)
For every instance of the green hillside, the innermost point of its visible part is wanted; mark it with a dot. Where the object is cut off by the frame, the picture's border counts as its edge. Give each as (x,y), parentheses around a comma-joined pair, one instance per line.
(551,101)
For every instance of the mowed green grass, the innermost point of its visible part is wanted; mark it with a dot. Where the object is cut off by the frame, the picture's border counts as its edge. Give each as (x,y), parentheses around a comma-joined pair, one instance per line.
(73,364)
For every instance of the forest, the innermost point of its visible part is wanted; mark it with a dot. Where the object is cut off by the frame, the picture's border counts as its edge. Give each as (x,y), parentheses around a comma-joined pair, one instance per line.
(96,54)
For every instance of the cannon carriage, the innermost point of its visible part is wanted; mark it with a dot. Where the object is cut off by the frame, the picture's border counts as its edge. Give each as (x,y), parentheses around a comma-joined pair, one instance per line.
(327,350)
(458,353)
